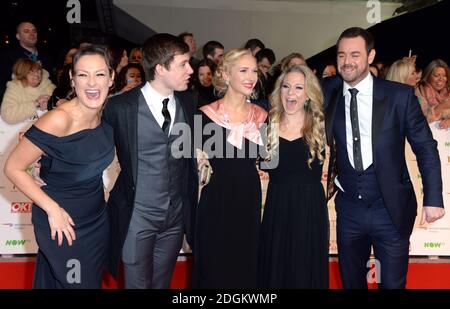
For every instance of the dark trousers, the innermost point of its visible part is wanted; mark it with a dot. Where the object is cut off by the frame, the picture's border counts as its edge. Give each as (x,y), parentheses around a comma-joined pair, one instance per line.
(359,226)
(151,250)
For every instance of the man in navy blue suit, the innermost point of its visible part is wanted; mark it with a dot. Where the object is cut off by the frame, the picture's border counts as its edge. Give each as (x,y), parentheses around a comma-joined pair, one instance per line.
(367,121)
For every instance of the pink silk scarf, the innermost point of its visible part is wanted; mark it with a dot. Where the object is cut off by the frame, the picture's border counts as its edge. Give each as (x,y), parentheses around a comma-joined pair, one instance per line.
(249,129)
(434,98)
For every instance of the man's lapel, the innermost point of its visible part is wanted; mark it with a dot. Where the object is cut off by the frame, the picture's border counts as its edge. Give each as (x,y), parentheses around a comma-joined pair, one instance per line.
(131,126)
(378,110)
(330,113)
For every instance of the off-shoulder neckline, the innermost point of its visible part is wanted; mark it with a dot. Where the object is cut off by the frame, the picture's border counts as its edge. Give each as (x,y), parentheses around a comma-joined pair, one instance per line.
(71,134)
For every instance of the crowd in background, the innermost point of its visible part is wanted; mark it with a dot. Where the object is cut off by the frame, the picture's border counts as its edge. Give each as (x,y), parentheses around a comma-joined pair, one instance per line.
(22,97)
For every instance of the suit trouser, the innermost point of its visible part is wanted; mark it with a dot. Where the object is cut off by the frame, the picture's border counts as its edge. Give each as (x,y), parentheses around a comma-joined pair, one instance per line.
(362,225)
(151,250)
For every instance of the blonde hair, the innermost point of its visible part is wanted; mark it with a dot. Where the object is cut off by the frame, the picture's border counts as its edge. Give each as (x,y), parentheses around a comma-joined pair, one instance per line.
(23,66)
(284,63)
(313,129)
(224,66)
(134,51)
(400,71)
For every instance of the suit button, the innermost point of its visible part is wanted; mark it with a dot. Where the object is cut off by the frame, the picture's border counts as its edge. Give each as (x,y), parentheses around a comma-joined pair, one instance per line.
(360,197)
(133,188)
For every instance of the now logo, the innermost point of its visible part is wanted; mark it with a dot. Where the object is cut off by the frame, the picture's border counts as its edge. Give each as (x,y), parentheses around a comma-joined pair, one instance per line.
(433,244)
(20,242)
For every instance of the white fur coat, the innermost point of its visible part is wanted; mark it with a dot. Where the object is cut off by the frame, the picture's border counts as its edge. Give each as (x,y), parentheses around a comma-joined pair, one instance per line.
(19,101)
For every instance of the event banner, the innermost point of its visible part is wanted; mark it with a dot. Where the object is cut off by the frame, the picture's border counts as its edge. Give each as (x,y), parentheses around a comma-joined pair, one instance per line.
(434,238)
(16,230)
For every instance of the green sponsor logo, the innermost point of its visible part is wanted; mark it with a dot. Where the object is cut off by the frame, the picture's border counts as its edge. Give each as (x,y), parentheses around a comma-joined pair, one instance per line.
(15,243)
(433,244)
(447,144)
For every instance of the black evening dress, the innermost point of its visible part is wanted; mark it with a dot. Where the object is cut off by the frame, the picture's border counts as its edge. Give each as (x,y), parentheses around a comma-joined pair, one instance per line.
(228,218)
(72,168)
(294,232)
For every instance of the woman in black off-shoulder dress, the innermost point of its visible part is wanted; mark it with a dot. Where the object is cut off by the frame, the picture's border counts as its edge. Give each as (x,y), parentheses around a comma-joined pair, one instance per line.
(69,211)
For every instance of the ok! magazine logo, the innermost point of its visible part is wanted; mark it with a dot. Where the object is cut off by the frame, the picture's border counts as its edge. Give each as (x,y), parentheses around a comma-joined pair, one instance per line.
(21,207)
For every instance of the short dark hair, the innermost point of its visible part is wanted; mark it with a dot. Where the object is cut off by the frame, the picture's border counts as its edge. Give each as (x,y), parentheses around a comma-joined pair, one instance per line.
(161,49)
(208,63)
(182,35)
(210,47)
(265,53)
(354,32)
(252,44)
(121,80)
(23,22)
(92,49)
(116,53)
(203,63)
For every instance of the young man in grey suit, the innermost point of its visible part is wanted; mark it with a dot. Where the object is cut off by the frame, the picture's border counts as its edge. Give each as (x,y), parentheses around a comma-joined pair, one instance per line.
(152,203)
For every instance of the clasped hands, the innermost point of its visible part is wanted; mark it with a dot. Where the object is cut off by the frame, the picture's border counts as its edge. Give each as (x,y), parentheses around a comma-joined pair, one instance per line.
(204,168)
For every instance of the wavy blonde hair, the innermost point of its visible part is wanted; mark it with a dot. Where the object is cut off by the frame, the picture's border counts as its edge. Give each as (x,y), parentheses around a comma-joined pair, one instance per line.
(224,66)
(313,128)
(400,71)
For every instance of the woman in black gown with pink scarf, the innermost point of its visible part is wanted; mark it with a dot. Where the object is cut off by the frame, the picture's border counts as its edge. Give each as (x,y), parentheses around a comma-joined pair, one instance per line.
(229,211)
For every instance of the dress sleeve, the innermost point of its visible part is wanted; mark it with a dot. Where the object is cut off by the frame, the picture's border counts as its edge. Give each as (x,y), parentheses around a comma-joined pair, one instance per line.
(42,140)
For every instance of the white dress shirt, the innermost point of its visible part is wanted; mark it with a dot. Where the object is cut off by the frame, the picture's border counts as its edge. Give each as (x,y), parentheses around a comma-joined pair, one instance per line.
(364,98)
(155,103)
(365,103)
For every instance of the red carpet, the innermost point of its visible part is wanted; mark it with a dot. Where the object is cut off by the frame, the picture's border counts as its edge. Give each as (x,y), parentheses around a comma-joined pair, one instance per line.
(17,273)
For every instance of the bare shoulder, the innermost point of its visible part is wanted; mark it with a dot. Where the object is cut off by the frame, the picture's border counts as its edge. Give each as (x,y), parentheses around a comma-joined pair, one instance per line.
(56,122)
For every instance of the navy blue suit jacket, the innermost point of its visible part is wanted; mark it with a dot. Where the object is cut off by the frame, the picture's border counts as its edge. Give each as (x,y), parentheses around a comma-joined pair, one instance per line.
(396,115)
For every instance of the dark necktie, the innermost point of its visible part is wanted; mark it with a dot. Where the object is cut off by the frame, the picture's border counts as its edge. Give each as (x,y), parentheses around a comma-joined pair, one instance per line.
(166,114)
(357,157)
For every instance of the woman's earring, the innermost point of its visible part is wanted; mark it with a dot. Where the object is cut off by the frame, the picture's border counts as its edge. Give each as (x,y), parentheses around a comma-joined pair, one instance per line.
(307,104)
